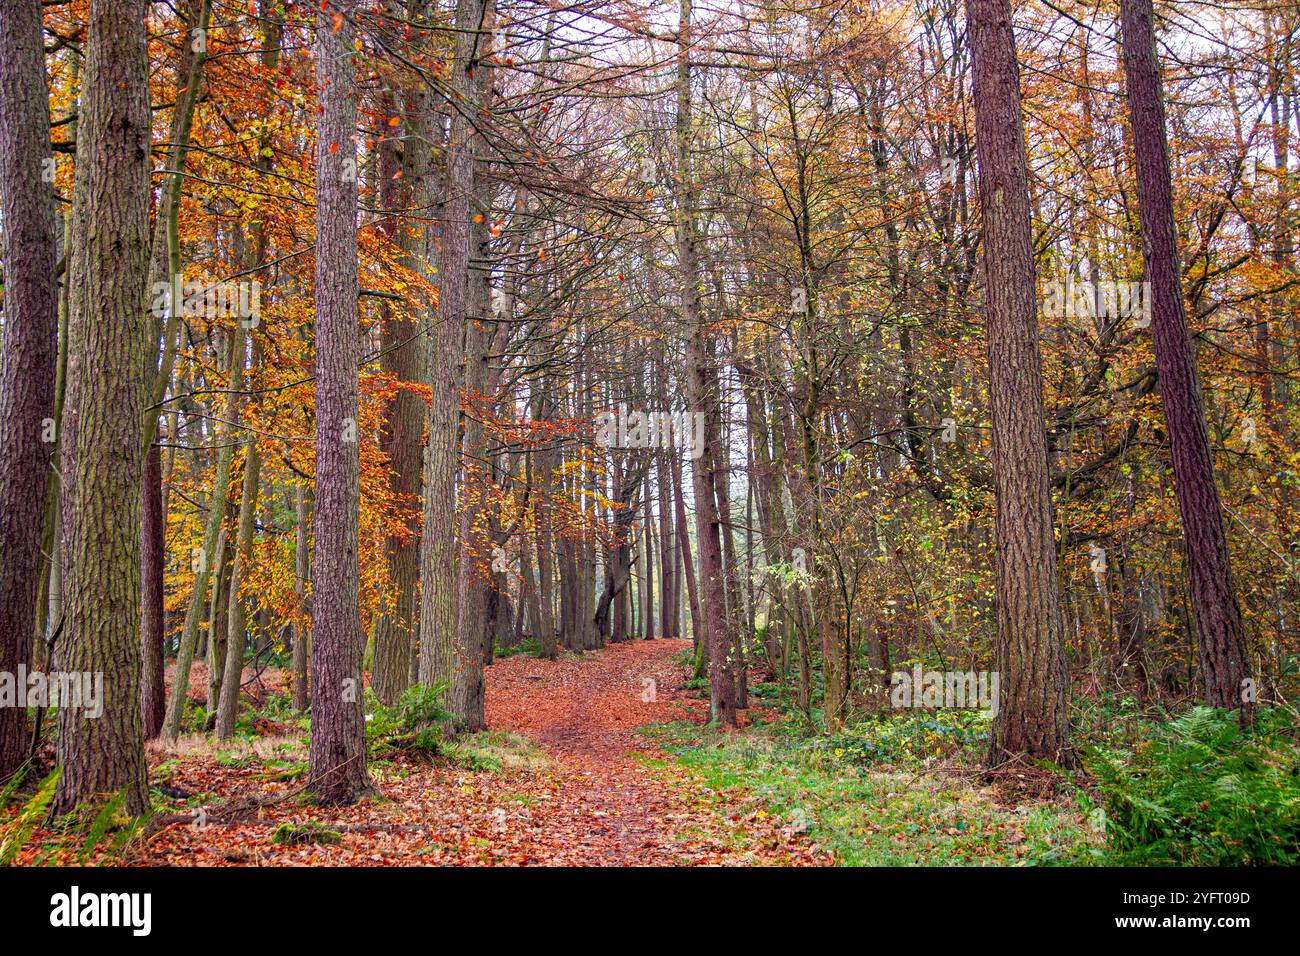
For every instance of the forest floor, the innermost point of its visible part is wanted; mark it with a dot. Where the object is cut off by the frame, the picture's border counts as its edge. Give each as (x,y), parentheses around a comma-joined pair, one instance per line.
(562,777)
(601,758)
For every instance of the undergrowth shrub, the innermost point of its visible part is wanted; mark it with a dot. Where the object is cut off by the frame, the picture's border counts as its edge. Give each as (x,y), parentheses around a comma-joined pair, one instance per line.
(110,829)
(416,722)
(909,736)
(1201,791)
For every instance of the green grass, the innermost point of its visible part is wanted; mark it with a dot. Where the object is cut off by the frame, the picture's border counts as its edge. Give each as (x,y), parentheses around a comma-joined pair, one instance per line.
(897,789)
(878,814)
(495,751)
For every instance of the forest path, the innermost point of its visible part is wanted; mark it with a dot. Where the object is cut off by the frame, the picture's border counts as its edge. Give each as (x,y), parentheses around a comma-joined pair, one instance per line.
(594,791)
(629,806)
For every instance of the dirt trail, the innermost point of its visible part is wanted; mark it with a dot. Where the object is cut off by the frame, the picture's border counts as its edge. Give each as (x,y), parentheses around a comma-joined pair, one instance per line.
(586,709)
(584,712)
(605,794)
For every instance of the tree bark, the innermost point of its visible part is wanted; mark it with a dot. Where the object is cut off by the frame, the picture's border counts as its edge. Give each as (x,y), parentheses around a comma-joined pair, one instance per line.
(237,616)
(30,344)
(212,531)
(442,656)
(668,597)
(546,463)
(337,757)
(218,624)
(153,692)
(1219,633)
(301,579)
(1030,657)
(104,756)
(701,393)
(402,188)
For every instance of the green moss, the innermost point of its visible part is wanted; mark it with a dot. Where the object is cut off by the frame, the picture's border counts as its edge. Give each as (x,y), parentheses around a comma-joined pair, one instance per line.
(302,834)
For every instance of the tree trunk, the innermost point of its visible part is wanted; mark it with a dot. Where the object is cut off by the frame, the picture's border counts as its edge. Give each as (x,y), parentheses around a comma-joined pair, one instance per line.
(444,657)
(682,533)
(237,615)
(337,758)
(30,344)
(701,393)
(547,461)
(153,693)
(104,756)
(165,262)
(401,433)
(647,622)
(218,624)
(1031,719)
(301,577)
(471,578)
(206,558)
(1219,633)
(735,607)
(668,596)
(237,618)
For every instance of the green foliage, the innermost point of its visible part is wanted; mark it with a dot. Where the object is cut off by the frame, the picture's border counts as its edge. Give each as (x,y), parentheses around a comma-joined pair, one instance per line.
(417,722)
(684,658)
(282,770)
(908,736)
(1201,791)
(8,791)
(109,821)
(494,751)
(99,827)
(421,706)
(304,834)
(29,818)
(528,645)
(194,719)
(278,709)
(869,816)
(382,722)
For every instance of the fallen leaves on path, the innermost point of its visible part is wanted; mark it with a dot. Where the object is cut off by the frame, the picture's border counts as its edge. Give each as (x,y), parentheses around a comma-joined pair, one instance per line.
(604,795)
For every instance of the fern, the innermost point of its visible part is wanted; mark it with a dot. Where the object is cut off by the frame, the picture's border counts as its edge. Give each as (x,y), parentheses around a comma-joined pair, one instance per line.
(128,833)
(1202,791)
(11,788)
(415,723)
(22,827)
(100,826)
